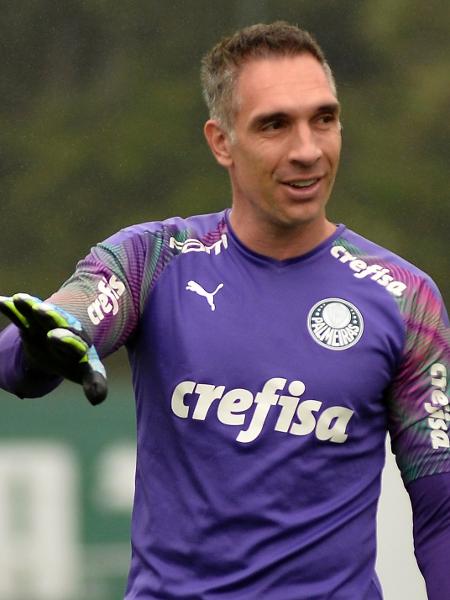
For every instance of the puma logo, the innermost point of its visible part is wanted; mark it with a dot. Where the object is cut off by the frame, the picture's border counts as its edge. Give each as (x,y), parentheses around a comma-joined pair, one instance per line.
(193,286)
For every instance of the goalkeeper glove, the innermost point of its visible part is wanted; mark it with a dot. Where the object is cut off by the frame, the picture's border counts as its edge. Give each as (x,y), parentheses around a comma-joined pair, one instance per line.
(55,342)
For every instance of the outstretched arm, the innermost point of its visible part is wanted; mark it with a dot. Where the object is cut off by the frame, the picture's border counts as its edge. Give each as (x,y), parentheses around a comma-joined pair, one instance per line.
(90,316)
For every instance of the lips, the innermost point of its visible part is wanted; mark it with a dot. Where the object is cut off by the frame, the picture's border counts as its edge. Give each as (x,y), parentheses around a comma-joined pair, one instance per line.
(301,183)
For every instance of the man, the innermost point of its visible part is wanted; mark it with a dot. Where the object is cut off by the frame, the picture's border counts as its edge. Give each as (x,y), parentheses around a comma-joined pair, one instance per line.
(269,348)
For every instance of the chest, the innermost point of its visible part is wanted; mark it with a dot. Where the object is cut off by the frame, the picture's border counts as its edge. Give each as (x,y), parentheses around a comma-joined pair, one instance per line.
(228,336)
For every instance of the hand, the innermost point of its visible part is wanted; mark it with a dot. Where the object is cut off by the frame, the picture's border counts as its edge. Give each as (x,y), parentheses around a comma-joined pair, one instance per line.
(55,342)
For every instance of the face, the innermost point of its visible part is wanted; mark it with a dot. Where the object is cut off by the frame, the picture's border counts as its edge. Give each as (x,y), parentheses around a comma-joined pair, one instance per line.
(284,150)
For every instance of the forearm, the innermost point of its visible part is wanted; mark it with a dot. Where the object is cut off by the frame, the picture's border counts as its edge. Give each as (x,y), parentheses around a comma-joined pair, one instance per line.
(101,302)
(16,376)
(430,499)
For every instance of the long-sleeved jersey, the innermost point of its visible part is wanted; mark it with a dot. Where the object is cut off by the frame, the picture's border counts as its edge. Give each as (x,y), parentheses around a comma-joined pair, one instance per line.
(264,390)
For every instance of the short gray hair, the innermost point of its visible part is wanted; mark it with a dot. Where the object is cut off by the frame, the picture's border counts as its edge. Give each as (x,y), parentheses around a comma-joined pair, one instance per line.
(221,66)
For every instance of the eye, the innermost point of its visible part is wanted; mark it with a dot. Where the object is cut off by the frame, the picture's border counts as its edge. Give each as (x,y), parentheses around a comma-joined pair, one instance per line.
(273,125)
(326,119)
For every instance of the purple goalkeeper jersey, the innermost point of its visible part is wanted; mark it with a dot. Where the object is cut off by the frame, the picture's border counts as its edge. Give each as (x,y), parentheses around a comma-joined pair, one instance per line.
(264,390)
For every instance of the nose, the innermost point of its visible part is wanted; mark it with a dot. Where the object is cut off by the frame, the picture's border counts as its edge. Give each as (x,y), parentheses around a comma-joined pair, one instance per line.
(304,148)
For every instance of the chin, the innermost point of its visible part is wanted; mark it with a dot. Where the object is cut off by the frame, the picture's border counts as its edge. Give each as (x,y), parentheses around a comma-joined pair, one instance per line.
(299,218)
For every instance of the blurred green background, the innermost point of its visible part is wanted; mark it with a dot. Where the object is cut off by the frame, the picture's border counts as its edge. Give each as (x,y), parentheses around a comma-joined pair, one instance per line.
(101,119)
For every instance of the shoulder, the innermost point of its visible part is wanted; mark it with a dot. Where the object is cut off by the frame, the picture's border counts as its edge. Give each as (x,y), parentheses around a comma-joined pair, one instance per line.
(172,232)
(370,261)
(143,251)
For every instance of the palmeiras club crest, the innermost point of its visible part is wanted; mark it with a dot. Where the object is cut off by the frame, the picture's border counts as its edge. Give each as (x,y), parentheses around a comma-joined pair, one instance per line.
(335,324)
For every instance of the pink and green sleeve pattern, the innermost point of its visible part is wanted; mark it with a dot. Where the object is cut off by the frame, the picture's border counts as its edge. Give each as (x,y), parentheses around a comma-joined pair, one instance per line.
(110,287)
(108,291)
(418,401)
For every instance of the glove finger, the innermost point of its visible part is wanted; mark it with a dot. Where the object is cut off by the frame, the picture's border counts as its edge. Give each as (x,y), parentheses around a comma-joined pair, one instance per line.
(94,385)
(81,363)
(44,316)
(8,308)
(60,317)
(24,304)
(67,345)
(94,378)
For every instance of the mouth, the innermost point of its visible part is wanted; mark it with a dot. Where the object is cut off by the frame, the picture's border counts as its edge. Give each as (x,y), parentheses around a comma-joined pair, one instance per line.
(302,184)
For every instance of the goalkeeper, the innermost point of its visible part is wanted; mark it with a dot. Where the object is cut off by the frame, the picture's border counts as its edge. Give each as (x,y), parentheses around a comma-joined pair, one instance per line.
(270,349)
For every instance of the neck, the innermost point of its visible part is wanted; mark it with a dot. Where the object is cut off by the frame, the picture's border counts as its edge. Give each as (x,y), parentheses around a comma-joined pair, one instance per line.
(281,242)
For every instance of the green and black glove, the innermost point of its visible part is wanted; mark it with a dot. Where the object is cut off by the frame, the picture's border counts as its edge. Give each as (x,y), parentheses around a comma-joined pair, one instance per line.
(55,342)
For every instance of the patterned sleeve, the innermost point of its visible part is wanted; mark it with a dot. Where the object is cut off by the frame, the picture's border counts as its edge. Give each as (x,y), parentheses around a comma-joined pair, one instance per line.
(107,293)
(418,401)
(108,290)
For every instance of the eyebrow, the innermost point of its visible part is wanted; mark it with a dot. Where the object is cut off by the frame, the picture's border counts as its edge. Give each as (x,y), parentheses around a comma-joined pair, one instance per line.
(333,107)
(329,107)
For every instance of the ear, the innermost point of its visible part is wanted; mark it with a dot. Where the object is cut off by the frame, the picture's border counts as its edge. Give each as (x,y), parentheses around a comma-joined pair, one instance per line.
(219,142)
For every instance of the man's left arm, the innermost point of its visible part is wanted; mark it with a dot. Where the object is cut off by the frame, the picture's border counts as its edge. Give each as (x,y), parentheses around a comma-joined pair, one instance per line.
(419,419)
